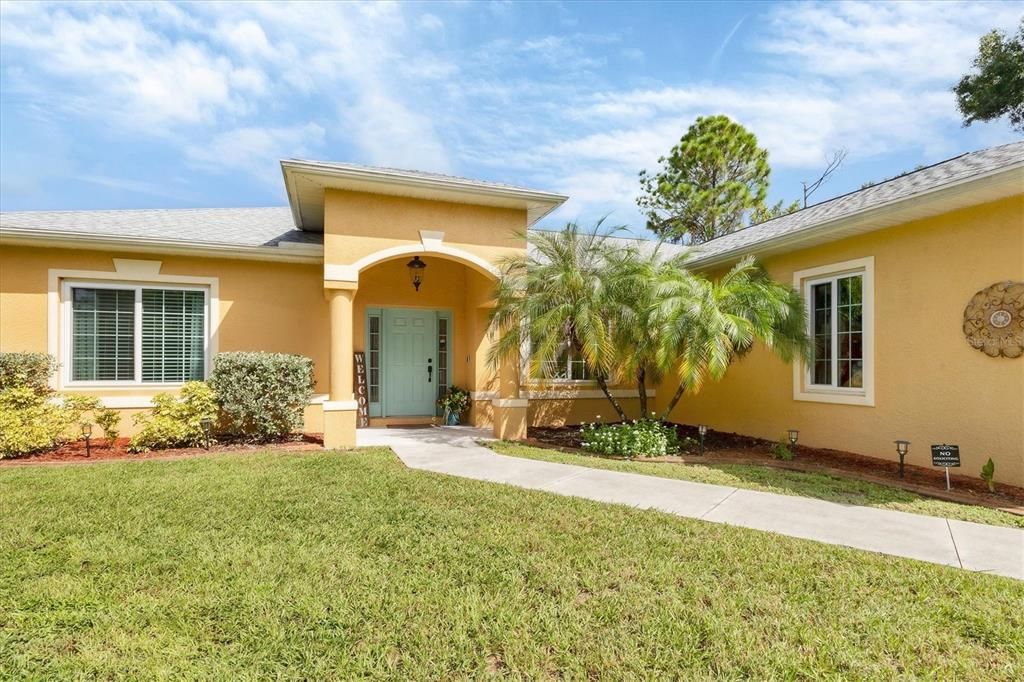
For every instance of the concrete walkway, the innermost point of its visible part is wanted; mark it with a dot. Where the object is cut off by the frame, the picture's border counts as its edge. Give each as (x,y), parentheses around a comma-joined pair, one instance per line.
(973,546)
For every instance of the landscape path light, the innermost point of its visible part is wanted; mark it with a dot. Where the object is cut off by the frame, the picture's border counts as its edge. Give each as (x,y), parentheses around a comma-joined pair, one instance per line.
(86,434)
(207,424)
(902,447)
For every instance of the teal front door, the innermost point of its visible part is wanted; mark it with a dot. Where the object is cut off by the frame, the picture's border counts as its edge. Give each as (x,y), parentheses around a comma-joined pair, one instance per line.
(410,362)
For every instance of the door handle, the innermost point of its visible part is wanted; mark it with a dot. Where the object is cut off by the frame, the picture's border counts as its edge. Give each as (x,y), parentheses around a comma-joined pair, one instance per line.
(430,369)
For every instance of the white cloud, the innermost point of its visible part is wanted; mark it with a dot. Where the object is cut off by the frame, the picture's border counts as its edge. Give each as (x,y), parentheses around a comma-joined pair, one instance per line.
(247,37)
(390,84)
(256,150)
(134,186)
(431,22)
(200,70)
(115,66)
(871,77)
(354,56)
(898,42)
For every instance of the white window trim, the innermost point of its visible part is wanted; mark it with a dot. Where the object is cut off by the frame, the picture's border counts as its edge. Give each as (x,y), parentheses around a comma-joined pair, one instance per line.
(545,381)
(802,388)
(127,273)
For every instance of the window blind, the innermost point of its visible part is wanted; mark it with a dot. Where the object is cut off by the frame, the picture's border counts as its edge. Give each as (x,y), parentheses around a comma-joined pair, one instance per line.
(173,335)
(103,329)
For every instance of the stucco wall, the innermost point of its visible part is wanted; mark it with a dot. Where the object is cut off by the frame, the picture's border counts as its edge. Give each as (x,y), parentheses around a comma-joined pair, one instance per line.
(276,307)
(930,385)
(563,411)
(357,224)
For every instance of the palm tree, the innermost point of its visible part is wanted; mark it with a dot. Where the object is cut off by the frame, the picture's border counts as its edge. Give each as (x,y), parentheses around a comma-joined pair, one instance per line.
(704,325)
(558,296)
(634,313)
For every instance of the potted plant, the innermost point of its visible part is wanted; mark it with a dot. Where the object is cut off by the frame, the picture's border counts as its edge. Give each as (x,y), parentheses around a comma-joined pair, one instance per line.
(453,404)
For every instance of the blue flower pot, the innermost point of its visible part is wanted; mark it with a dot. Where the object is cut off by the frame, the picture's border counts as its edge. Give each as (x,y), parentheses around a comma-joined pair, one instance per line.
(451,419)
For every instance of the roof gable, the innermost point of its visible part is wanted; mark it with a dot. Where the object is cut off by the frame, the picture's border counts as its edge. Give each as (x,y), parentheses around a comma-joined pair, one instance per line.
(306,182)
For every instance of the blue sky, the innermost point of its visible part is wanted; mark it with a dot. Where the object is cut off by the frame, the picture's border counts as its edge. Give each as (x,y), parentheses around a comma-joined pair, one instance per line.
(132,105)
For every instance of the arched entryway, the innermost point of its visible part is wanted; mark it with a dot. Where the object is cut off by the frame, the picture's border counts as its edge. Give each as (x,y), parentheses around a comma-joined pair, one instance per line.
(416,343)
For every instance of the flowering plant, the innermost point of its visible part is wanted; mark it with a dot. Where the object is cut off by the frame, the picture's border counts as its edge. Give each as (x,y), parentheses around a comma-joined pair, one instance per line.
(637,438)
(453,403)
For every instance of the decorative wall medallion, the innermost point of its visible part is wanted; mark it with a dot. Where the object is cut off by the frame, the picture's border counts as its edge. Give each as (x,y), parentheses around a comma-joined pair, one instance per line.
(994,320)
(1000,318)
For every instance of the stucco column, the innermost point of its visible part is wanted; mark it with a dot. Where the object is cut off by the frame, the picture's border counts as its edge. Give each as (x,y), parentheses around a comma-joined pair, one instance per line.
(340,301)
(510,410)
(340,408)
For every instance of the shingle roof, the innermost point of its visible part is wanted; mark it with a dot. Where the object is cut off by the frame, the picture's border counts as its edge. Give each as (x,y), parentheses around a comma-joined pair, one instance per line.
(963,167)
(271,227)
(246,227)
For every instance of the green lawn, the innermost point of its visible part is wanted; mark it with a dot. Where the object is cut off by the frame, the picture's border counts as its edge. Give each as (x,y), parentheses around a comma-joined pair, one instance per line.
(768,479)
(341,565)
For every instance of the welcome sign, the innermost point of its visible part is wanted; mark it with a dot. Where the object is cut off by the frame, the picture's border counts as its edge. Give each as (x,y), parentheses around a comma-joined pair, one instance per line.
(362,400)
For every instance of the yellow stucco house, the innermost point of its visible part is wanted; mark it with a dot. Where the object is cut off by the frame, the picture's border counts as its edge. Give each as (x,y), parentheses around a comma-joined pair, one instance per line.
(917,335)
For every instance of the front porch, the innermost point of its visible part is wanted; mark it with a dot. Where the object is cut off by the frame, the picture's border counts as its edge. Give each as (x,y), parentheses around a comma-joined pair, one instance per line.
(415,341)
(395,349)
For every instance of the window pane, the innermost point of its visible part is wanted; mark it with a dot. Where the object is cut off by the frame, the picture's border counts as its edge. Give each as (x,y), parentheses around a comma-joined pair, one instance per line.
(373,360)
(854,286)
(856,321)
(856,374)
(822,295)
(844,291)
(173,335)
(102,334)
(856,346)
(823,372)
(843,315)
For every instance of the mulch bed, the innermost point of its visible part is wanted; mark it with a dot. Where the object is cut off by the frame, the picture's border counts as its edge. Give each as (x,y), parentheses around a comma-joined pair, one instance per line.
(102,450)
(732,448)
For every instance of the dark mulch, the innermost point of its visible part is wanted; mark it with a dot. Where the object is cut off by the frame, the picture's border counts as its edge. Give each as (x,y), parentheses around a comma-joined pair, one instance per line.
(100,449)
(733,448)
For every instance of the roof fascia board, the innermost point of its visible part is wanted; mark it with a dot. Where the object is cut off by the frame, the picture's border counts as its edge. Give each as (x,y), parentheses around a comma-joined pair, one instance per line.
(292,192)
(401,179)
(49,239)
(835,226)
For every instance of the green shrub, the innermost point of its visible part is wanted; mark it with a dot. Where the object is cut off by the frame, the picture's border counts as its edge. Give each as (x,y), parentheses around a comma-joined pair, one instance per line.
(262,396)
(30,421)
(781,450)
(176,420)
(638,438)
(988,473)
(109,420)
(27,370)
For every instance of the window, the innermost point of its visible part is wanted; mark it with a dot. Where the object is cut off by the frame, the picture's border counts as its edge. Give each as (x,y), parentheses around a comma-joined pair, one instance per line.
(103,334)
(442,356)
(373,384)
(568,367)
(840,317)
(135,334)
(837,325)
(173,335)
